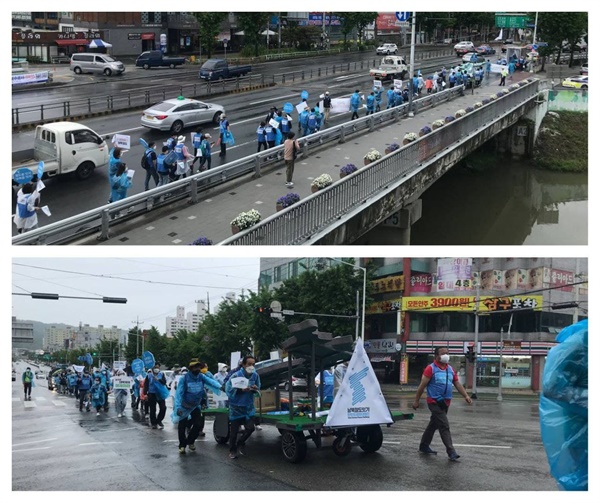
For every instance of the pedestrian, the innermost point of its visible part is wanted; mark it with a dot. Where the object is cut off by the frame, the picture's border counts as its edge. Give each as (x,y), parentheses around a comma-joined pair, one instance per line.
(338,376)
(378,91)
(503,75)
(223,133)
(28,203)
(270,135)
(114,158)
(327,387)
(241,406)
(371,103)
(444,72)
(286,124)
(197,138)
(291,147)
(429,85)
(155,386)
(162,168)
(261,137)
(105,381)
(98,393)
(150,166)
(204,402)
(415,84)
(187,410)
(452,79)
(438,378)
(120,395)
(72,383)
(420,83)
(84,384)
(326,105)
(271,114)
(28,380)
(390,97)
(171,142)
(120,183)
(311,121)
(303,122)
(207,144)
(488,67)
(354,104)
(221,400)
(183,157)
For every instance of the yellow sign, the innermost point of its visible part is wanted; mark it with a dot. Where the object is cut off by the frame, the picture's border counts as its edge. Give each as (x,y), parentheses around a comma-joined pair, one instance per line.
(467,303)
(389,284)
(384,306)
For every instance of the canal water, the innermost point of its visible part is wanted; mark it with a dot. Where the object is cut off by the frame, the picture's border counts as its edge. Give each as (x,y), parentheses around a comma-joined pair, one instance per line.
(510,203)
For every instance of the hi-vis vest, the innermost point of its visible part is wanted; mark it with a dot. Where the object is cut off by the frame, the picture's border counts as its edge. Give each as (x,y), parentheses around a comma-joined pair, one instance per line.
(179,151)
(22,202)
(261,134)
(196,139)
(440,385)
(285,125)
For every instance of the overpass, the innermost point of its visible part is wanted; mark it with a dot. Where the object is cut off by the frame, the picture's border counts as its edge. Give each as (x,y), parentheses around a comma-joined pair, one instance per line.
(339,214)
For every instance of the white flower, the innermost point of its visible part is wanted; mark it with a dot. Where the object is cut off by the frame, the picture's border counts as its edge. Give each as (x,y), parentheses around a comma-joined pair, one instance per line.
(477,104)
(410,136)
(460,113)
(373,155)
(438,123)
(322,181)
(246,219)
(493,96)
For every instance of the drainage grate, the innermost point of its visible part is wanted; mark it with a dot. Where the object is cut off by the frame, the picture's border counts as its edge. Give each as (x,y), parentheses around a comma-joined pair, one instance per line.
(173,218)
(172,234)
(123,239)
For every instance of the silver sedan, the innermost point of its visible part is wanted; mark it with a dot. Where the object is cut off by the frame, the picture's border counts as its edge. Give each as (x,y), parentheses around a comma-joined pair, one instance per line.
(178,113)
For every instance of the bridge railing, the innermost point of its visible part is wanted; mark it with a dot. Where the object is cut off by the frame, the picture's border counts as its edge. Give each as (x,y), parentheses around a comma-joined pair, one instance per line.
(193,187)
(305,220)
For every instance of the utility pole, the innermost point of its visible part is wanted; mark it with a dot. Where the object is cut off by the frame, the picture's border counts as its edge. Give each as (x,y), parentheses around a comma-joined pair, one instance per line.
(412,65)
(476,310)
(137,335)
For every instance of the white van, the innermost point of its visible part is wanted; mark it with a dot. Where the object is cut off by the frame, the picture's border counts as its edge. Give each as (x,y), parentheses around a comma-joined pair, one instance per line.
(67,147)
(88,62)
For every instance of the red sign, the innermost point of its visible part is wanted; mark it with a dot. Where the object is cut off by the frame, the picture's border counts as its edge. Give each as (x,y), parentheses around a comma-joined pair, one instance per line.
(558,277)
(386,21)
(421,282)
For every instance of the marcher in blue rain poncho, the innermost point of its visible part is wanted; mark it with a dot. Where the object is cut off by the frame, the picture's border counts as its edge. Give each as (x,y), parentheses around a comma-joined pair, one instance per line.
(241,406)
(564,408)
(371,103)
(84,383)
(327,386)
(28,380)
(187,411)
(354,104)
(98,392)
(377,91)
(391,97)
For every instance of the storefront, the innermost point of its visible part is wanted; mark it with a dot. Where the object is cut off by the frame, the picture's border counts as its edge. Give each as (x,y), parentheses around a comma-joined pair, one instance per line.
(384,355)
(50,47)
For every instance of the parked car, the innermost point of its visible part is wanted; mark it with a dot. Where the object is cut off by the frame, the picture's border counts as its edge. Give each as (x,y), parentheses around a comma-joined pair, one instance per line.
(473,57)
(485,50)
(176,114)
(387,49)
(151,59)
(40,374)
(88,62)
(584,70)
(577,82)
(464,47)
(297,384)
(267,363)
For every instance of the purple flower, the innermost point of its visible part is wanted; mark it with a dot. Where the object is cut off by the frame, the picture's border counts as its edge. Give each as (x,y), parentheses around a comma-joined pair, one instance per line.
(288,199)
(425,130)
(393,146)
(202,241)
(348,169)
(469,110)
(449,118)
(500,94)
(485,101)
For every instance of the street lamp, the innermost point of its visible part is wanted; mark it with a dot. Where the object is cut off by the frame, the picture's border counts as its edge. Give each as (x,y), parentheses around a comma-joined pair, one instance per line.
(364,270)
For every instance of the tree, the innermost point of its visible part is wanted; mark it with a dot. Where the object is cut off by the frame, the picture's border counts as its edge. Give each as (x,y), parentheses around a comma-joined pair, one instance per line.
(556,27)
(209,27)
(347,24)
(253,23)
(362,20)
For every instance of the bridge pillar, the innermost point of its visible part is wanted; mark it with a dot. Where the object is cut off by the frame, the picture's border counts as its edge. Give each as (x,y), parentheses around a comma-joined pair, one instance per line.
(395,230)
(517,140)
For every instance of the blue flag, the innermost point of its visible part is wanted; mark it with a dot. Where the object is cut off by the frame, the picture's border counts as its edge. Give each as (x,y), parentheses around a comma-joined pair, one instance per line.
(40,170)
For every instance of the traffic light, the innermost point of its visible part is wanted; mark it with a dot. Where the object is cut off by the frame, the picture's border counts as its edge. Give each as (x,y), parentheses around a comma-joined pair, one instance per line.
(264,310)
(94,353)
(470,354)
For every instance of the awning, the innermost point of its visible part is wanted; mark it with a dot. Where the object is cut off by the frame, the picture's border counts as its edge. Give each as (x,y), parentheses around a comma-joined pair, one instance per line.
(147,36)
(98,43)
(381,358)
(74,41)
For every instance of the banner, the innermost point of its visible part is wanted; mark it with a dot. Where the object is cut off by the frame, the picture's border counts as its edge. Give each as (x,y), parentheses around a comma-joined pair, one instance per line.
(384,306)
(78,368)
(339,106)
(389,284)
(380,346)
(559,277)
(122,141)
(122,382)
(421,282)
(117,365)
(29,78)
(454,274)
(403,369)
(359,399)
(467,303)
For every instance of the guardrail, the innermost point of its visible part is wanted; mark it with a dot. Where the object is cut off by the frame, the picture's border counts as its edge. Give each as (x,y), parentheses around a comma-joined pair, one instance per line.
(102,218)
(67,109)
(302,222)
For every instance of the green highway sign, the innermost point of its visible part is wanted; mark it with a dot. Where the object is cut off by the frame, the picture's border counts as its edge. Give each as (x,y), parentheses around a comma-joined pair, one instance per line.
(511,20)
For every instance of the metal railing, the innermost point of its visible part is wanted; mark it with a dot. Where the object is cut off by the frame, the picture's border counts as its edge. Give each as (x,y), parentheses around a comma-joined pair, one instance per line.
(303,222)
(101,219)
(26,115)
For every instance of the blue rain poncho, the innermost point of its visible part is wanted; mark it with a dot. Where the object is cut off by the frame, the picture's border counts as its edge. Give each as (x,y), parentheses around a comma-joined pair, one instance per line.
(98,394)
(241,403)
(189,394)
(564,408)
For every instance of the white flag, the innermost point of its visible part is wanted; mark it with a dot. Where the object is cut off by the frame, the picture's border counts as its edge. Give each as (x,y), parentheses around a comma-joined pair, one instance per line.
(359,400)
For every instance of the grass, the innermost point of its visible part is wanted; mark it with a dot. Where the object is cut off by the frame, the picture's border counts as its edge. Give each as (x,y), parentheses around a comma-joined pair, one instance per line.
(562,143)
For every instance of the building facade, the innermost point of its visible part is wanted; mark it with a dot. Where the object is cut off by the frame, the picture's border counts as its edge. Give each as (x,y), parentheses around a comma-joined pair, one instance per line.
(186,321)
(84,336)
(524,303)
(22,333)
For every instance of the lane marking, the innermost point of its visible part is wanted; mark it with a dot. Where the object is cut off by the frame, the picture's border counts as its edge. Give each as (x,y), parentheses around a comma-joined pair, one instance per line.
(39,398)
(32,449)
(271,99)
(487,446)
(58,403)
(101,443)
(36,442)
(29,405)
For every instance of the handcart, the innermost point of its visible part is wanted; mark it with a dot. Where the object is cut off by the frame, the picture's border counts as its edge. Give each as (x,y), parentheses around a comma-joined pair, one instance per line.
(313,350)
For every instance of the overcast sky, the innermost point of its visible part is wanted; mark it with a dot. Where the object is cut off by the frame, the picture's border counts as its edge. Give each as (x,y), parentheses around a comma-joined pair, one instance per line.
(143,281)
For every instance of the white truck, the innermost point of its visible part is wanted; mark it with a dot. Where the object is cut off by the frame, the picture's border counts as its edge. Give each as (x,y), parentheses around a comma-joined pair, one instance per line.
(66,147)
(391,67)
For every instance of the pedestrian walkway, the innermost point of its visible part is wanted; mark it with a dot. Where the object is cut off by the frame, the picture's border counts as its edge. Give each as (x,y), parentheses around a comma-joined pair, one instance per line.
(211,216)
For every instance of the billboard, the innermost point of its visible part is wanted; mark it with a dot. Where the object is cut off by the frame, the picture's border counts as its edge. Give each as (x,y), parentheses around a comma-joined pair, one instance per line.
(467,303)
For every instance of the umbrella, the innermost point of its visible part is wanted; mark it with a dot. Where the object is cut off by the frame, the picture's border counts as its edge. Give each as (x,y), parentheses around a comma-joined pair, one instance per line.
(239,33)
(268,32)
(98,43)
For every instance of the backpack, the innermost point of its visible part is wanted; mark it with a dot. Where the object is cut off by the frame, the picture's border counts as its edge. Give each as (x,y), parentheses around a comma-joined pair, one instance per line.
(145,162)
(170,158)
(312,120)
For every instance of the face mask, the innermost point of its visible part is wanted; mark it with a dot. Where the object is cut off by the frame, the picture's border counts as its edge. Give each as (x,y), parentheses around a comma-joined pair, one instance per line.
(155,371)
(250,369)
(97,382)
(445,358)
(204,371)
(223,371)
(195,372)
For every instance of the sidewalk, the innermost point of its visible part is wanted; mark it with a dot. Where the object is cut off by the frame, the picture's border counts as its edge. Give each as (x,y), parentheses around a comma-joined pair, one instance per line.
(211,217)
(408,391)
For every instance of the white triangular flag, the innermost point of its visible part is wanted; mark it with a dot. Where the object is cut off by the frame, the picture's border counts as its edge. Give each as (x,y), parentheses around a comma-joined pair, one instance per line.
(359,400)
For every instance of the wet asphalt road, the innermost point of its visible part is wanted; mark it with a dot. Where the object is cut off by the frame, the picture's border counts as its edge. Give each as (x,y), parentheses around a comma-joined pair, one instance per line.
(499,444)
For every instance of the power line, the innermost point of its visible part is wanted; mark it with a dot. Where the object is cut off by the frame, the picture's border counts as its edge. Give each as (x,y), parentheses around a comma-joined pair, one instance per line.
(56,284)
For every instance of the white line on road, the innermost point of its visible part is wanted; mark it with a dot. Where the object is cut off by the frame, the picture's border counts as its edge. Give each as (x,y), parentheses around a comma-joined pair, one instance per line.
(101,443)
(29,405)
(39,398)
(36,442)
(124,131)
(58,403)
(272,99)
(32,449)
(346,77)
(486,446)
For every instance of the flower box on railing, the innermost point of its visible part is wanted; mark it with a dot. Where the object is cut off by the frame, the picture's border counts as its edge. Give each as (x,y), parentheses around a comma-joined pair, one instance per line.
(321,182)
(449,118)
(460,113)
(372,155)
(348,169)
(202,241)
(287,200)
(245,220)
(436,124)
(391,148)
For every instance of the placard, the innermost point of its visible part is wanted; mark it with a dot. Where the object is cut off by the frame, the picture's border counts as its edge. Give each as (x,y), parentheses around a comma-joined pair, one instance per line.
(301,106)
(119,365)
(274,123)
(239,382)
(340,106)
(235,358)
(122,141)
(137,366)
(148,359)
(377,84)
(122,382)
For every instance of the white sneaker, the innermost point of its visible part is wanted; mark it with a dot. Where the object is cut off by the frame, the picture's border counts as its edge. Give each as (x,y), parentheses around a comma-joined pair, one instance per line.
(97,413)
(119,415)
